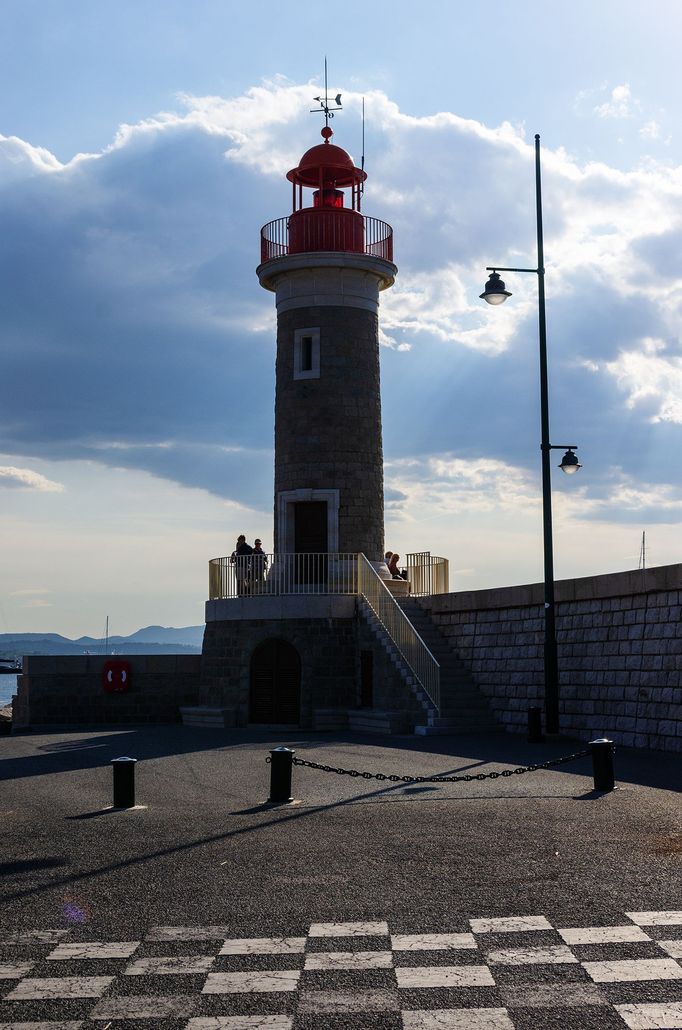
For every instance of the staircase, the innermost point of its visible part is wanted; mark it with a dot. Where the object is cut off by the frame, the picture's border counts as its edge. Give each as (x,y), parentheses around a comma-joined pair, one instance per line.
(415,706)
(463,709)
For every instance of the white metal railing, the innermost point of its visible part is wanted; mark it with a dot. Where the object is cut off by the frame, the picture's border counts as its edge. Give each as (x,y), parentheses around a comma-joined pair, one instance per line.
(252,575)
(427,574)
(399,628)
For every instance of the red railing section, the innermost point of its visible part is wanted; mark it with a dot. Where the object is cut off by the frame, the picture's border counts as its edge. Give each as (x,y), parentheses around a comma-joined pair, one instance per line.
(315,229)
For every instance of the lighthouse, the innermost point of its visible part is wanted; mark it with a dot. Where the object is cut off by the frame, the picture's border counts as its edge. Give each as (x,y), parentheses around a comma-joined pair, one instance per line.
(313,634)
(327,263)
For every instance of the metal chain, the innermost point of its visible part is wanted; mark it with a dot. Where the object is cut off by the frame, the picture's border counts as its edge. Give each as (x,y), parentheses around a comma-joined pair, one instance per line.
(442,779)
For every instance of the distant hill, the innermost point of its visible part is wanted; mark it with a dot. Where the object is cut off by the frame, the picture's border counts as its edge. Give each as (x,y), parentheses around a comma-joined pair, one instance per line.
(150,640)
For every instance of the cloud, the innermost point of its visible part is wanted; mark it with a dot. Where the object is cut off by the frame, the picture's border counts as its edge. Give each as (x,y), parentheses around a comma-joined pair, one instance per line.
(651,378)
(446,485)
(27,479)
(650,130)
(620,105)
(133,311)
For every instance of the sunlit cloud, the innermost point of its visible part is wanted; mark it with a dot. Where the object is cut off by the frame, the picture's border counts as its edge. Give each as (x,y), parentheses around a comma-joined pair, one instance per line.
(652,378)
(134,311)
(26,479)
(621,103)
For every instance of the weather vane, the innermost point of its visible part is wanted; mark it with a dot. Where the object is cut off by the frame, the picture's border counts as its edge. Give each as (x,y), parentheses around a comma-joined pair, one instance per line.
(324,101)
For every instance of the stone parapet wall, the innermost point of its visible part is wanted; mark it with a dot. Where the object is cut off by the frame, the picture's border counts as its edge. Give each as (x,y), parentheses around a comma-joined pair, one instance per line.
(620,653)
(68,690)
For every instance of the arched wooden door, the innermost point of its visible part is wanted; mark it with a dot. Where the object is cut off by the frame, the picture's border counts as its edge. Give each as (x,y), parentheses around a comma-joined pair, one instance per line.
(275,692)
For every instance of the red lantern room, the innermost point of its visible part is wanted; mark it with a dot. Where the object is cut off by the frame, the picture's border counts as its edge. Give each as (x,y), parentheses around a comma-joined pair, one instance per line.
(326,225)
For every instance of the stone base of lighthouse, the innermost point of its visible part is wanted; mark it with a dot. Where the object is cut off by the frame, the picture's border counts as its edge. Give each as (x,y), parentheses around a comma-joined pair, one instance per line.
(307,662)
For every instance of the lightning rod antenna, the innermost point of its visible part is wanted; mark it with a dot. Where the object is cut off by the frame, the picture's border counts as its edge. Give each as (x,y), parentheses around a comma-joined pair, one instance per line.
(324,102)
(642,552)
(362,162)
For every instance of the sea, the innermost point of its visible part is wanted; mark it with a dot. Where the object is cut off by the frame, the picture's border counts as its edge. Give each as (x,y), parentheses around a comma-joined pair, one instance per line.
(8,686)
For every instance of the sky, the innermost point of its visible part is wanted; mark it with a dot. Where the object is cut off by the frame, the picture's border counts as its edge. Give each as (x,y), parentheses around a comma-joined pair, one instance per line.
(143,143)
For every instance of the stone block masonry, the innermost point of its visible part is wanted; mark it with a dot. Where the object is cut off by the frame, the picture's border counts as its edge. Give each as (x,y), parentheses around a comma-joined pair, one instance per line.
(326,647)
(619,641)
(328,429)
(68,690)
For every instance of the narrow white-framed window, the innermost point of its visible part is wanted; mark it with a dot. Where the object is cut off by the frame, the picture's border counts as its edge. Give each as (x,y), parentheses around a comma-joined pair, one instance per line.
(307,354)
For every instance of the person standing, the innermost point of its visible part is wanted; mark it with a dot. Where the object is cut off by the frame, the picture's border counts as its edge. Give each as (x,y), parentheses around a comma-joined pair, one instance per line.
(241,561)
(259,564)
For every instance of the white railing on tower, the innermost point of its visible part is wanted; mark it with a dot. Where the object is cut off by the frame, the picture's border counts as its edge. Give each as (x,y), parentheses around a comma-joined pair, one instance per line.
(263,574)
(260,574)
(427,574)
(373,589)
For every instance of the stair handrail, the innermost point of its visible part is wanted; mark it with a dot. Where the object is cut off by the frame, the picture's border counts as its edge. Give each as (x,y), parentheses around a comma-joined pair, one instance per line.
(399,628)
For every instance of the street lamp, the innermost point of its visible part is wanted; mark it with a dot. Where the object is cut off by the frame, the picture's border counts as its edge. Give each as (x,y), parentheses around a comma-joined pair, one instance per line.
(495,292)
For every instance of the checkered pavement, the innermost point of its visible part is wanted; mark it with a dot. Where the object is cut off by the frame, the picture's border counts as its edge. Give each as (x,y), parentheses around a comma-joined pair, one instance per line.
(508,973)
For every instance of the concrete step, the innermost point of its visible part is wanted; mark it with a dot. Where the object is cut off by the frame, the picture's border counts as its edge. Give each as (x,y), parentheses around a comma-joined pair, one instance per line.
(371,720)
(208,717)
(443,731)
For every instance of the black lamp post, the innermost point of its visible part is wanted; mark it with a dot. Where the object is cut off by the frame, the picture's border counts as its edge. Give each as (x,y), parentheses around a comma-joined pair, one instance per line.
(495,292)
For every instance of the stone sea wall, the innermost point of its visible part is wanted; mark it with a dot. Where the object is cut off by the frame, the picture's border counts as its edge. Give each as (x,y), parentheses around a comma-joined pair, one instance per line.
(620,652)
(68,690)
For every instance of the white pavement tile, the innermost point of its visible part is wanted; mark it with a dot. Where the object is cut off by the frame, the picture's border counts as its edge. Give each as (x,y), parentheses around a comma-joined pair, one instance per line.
(371,929)
(674,948)
(15,970)
(603,934)
(248,983)
(337,1002)
(43,988)
(510,924)
(444,976)
(155,1007)
(240,1023)
(656,918)
(71,1024)
(34,937)
(457,1019)
(432,941)
(264,946)
(631,970)
(349,960)
(188,933)
(93,950)
(554,954)
(651,1016)
(181,965)
(560,994)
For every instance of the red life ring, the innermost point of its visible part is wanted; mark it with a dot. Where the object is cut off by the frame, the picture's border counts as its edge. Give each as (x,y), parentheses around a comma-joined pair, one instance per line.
(116,676)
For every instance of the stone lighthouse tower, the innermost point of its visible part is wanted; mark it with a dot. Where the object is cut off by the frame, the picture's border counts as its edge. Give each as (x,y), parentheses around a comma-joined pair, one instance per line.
(326,263)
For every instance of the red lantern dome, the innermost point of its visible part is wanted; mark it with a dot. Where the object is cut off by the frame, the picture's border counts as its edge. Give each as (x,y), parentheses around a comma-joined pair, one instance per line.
(326,165)
(326,225)
(326,169)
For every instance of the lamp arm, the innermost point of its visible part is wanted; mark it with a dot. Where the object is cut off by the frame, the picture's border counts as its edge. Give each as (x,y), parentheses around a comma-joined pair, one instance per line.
(499,268)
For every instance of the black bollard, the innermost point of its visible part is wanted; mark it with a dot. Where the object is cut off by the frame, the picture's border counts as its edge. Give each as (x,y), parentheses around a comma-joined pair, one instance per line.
(281,763)
(535,734)
(602,764)
(124,782)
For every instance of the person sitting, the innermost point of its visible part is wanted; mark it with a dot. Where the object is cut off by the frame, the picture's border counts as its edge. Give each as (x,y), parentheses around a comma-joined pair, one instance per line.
(393,566)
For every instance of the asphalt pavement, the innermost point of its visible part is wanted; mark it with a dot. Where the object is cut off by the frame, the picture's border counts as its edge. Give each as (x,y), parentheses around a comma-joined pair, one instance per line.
(202,848)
